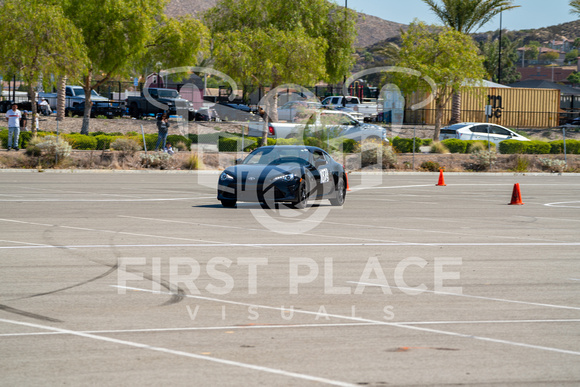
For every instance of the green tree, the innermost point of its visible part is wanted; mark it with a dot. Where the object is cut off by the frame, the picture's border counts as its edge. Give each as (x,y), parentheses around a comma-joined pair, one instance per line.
(509,58)
(273,42)
(447,56)
(531,52)
(121,35)
(572,56)
(549,56)
(574,78)
(38,39)
(466,16)
(174,42)
(316,18)
(575,5)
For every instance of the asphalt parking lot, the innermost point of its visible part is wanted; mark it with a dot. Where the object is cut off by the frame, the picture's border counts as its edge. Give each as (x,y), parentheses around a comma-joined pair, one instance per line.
(144,279)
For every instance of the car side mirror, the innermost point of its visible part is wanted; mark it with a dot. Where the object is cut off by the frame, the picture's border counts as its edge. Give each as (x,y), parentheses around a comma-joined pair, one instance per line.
(239,161)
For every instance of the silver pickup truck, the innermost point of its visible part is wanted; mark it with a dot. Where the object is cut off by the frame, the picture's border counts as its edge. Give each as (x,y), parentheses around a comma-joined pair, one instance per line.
(335,123)
(369,111)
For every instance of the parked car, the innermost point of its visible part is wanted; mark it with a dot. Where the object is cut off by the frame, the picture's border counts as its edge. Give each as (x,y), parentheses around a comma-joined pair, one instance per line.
(294,174)
(99,108)
(235,112)
(143,106)
(354,114)
(207,114)
(479,131)
(339,125)
(368,110)
(291,109)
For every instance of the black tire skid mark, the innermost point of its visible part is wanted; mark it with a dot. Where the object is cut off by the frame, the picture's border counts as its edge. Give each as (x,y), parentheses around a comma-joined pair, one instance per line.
(24,313)
(175,297)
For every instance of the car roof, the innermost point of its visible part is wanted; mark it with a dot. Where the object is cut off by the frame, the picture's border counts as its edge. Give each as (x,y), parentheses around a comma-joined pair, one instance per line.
(291,146)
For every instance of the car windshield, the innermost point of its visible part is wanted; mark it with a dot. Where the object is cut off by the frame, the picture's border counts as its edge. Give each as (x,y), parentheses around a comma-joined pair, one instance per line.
(168,93)
(278,155)
(457,126)
(81,91)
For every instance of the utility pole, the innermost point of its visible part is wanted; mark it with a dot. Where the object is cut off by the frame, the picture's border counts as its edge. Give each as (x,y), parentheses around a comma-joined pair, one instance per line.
(499,61)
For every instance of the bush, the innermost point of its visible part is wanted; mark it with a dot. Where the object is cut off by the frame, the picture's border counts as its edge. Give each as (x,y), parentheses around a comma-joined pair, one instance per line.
(522,164)
(484,160)
(478,145)
(50,148)
(104,141)
(553,165)
(287,141)
(193,162)
(431,166)
(375,154)
(405,145)
(427,141)
(313,141)
(350,146)
(81,141)
(538,147)
(176,139)
(155,160)
(226,144)
(455,145)
(126,146)
(511,147)
(192,137)
(572,147)
(438,147)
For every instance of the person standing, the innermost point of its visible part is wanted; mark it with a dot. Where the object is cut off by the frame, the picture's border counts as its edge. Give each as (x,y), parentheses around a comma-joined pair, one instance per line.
(23,121)
(13,117)
(162,130)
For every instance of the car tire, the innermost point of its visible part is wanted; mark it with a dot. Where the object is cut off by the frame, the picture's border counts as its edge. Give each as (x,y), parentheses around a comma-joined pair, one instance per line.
(228,203)
(340,193)
(303,196)
(134,111)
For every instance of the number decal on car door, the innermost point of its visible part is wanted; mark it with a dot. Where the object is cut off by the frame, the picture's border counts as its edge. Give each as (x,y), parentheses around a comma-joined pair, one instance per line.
(324,176)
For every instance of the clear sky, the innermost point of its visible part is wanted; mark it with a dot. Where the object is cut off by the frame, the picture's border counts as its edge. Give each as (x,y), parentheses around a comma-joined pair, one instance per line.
(530,14)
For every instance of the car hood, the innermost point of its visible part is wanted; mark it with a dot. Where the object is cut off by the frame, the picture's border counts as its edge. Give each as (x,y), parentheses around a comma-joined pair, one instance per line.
(262,171)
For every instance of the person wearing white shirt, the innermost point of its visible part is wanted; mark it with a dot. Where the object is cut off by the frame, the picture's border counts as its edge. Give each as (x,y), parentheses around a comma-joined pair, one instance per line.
(45,107)
(13,117)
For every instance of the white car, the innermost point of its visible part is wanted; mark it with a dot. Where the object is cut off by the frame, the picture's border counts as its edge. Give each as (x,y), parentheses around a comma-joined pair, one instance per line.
(479,131)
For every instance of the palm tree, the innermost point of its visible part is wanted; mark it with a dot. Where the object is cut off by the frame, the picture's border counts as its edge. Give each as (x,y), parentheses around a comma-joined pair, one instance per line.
(466,16)
(575,4)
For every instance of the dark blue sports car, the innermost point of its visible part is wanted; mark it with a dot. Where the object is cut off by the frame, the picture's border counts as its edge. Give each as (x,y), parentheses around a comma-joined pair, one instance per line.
(289,173)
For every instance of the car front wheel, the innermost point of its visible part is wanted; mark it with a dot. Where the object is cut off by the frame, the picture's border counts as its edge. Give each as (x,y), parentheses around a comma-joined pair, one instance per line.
(228,203)
(340,194)
(302,195)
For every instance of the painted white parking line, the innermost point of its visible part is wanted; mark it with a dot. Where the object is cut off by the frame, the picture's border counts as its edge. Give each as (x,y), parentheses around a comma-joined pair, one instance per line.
(106,231)
(275,371)
(369,244)
(185,329)
(360,319)
(292,326)
(421,230)
(466,295)
(563,204)
(106,200)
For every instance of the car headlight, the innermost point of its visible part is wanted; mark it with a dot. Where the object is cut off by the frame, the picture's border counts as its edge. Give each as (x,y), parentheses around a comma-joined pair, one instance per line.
(286,177)
(225,176)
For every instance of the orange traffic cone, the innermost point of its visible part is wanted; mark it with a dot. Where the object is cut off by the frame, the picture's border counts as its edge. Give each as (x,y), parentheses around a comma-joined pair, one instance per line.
(516,195)
(347,186)
(441,179)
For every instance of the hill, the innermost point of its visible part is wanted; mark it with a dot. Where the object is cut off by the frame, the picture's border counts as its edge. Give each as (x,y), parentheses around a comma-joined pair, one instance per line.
(371,29)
